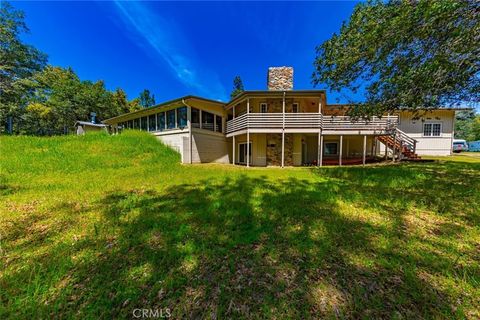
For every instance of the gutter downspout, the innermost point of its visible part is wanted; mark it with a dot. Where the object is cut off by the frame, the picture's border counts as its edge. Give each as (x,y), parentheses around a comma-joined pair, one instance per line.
(189,119)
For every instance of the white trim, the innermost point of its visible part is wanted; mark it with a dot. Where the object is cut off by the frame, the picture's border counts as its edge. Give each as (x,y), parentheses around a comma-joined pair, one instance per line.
(432,123)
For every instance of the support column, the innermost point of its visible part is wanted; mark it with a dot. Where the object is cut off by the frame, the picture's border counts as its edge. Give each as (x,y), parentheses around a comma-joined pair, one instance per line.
(248,134)
(248,148)
(371,147)
(320,138)
(394,147)
(364,149)
(233,150)
(233,138)
(321,150)
(340,151)
(386,150)
(400,151)
(189,122)
(283,130)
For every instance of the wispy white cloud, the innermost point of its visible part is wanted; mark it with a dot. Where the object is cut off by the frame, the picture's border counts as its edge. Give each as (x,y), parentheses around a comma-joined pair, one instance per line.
(172,47)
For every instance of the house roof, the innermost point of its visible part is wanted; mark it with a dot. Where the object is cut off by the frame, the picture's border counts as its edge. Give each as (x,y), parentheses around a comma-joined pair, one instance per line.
(86,123)
(147,111)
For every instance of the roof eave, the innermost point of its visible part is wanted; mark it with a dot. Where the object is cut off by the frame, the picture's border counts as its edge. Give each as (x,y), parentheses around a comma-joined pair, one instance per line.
(160,105)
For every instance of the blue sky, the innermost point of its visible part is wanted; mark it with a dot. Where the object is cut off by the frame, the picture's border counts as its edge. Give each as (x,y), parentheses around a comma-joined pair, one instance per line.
(175,49)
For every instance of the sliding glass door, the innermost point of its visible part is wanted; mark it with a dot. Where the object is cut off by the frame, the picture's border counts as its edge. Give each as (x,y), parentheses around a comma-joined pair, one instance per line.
(242,152)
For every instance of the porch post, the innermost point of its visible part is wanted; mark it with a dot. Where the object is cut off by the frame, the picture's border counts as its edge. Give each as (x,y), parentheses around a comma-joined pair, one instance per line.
(371,147)
(233,147)
(394,146)
(340,151)
(233,142)
(364,149)
(248,134)
(320,161)
(386,150)
(320,138)
(189,119)
(283,130)
(400,151)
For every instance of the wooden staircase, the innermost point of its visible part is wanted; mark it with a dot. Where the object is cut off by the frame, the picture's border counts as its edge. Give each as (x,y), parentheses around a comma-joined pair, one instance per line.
(400,144)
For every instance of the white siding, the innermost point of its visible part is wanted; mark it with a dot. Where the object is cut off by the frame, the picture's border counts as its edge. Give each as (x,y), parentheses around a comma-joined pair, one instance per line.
(435,146)
(175,141)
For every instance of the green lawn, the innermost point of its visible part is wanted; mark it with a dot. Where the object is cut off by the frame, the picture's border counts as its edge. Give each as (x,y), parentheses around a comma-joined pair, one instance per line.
(97,226)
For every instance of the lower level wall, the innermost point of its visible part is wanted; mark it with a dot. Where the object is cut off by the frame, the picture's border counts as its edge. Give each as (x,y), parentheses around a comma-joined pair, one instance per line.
(441,146)
(427,146)
(175,141)
(300,148)
(209,147)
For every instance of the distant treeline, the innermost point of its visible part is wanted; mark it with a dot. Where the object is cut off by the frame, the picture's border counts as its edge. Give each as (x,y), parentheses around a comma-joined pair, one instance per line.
(40,99)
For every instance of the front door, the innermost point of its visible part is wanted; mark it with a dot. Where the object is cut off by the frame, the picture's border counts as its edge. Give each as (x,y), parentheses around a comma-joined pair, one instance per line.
(242,152)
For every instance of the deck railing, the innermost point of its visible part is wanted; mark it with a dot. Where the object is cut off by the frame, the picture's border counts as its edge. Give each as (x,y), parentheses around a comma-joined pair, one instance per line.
(307,121)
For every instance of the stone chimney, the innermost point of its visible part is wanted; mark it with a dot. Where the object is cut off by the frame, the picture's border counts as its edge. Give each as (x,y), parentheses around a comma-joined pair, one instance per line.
(280,78)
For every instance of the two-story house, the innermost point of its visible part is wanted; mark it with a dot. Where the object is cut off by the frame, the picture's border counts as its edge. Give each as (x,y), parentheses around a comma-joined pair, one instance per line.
(285,127)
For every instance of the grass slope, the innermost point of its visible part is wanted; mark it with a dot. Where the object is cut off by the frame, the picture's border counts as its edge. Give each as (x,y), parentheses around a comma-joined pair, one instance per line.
(96,226)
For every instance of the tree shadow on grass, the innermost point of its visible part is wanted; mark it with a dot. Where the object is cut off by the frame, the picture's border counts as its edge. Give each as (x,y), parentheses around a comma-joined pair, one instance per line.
(255,248)
(243,247)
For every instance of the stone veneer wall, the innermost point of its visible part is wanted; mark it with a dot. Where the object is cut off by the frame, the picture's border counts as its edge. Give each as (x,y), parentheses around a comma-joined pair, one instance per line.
(274,153)
(280,78)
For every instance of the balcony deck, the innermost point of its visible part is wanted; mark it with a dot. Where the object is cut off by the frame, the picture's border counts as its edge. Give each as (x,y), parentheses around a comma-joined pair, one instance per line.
(308,122)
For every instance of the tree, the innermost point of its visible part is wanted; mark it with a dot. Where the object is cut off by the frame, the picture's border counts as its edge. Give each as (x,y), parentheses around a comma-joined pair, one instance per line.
(475,129)
(120,102)
(405,54)
(59,94)
(146,99)
(18,61)
(463,121)
(237,87)
(134,105)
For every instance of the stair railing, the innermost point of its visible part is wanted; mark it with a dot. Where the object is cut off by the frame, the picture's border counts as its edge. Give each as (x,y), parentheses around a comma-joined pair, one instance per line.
(406,140)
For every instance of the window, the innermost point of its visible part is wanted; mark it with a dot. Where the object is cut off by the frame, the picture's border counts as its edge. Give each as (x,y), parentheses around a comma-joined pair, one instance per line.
(432,129)
(171,119)
(143,123)
(218,120)
(331,148)
(152,126)
(136,123)
(263,108)
(161,121)
(182,117)
(295,108)
(207,120)
(195,118)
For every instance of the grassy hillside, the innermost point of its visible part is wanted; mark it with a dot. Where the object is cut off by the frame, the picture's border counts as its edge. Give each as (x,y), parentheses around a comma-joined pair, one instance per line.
(97,226)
